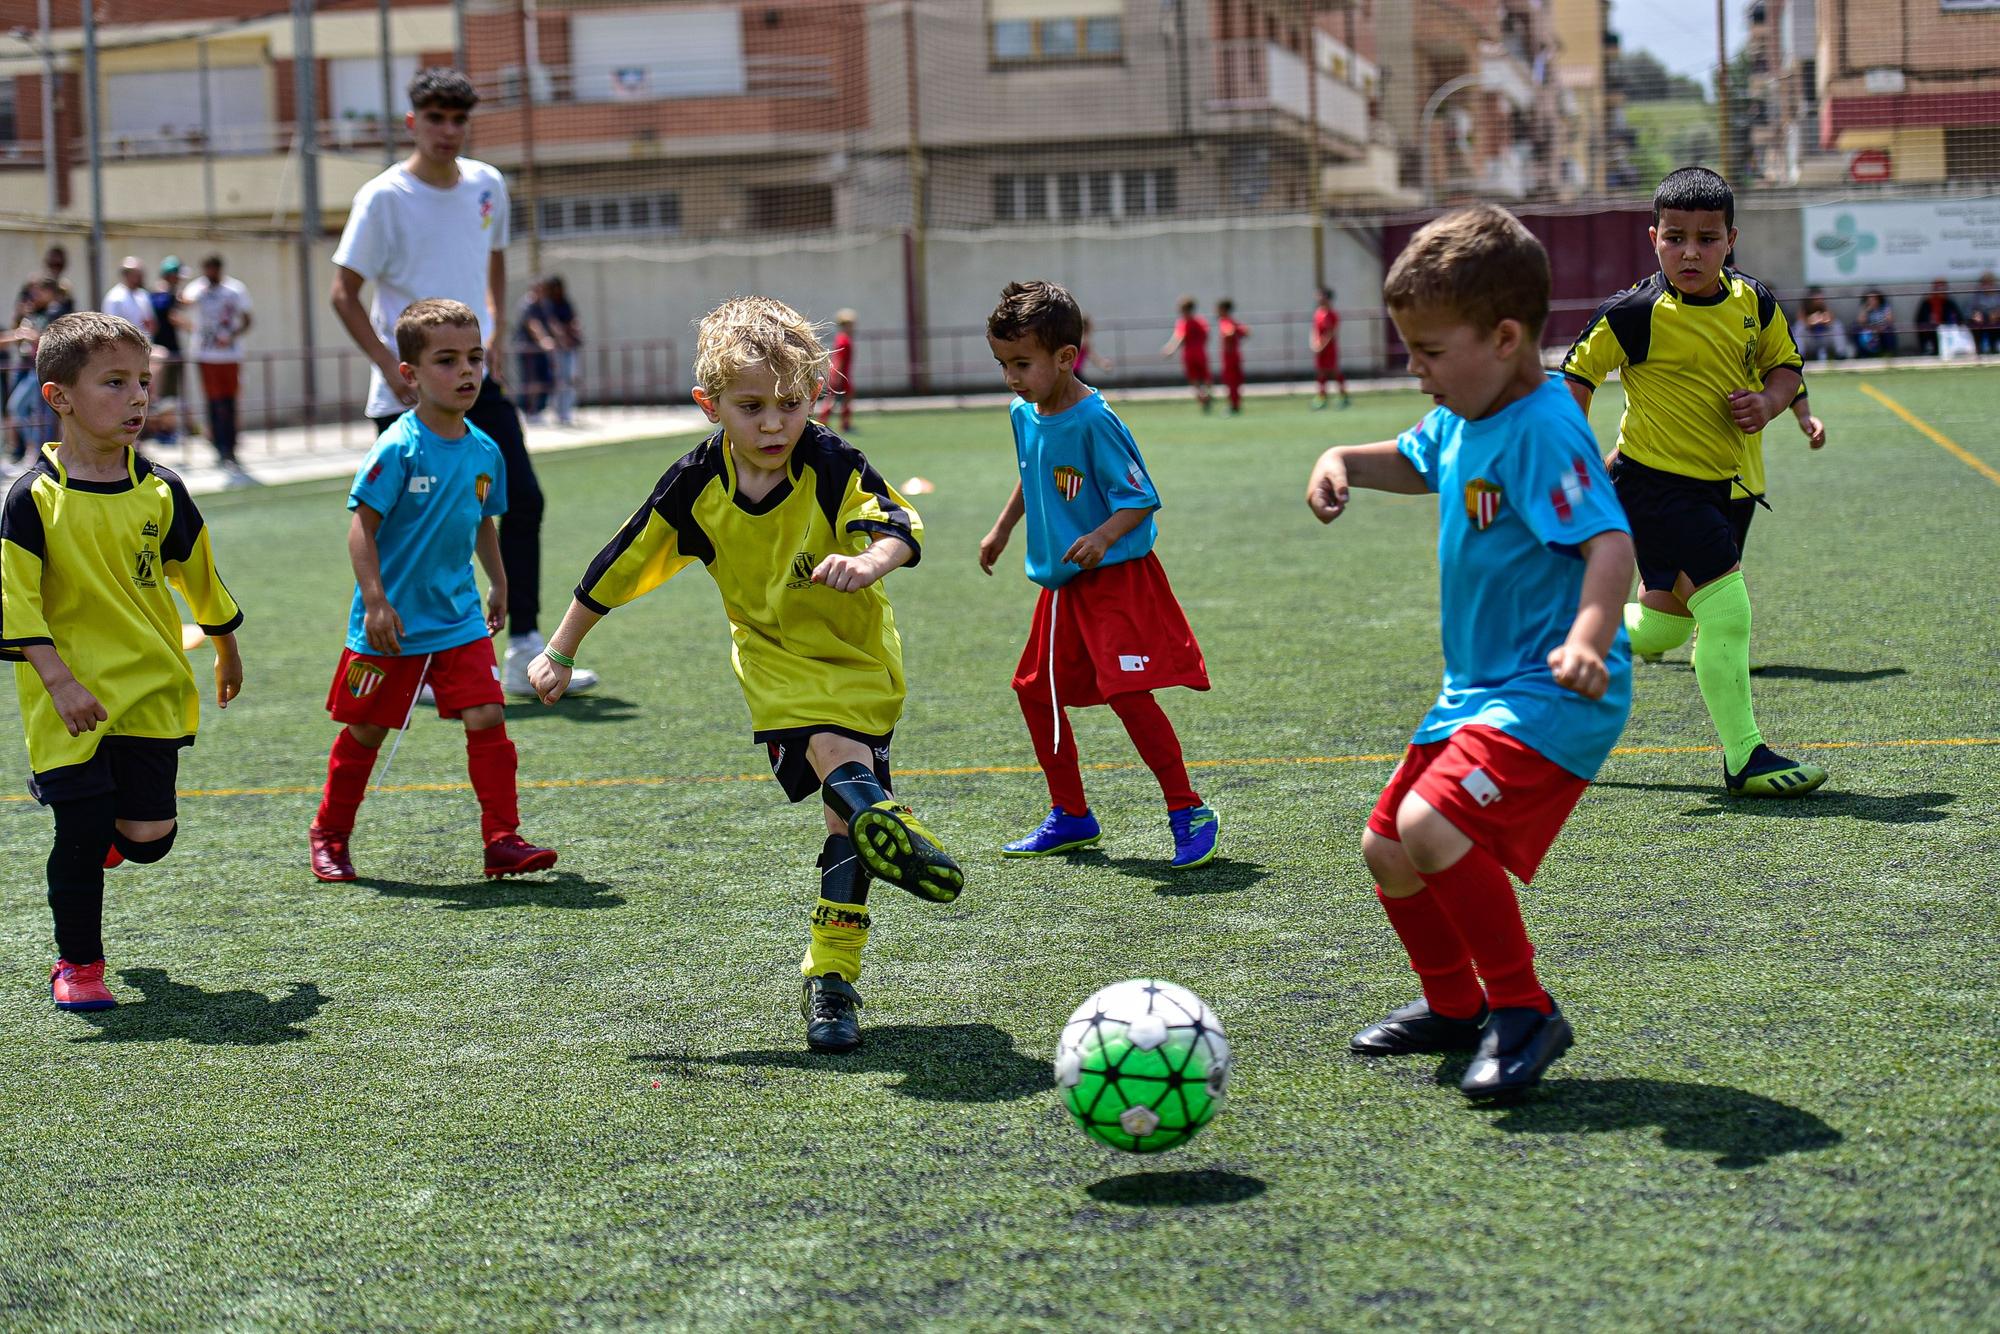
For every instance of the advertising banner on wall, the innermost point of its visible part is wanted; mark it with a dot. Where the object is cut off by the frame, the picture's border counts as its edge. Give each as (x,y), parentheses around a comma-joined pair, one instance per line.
(1901,241)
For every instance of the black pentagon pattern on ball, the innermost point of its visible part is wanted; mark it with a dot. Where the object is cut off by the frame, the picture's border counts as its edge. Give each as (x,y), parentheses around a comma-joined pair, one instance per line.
(1120,1090)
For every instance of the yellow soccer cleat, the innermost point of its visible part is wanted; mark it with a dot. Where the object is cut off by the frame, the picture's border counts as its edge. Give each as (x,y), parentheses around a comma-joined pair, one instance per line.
(896,848)
(1769,774)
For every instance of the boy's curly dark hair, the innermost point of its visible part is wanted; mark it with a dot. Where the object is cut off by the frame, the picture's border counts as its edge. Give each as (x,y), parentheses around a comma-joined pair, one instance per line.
(1043,309)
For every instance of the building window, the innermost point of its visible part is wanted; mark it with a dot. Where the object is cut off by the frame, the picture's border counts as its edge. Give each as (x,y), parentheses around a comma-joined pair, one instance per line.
(1021,32)
(1104,36)
(1134,193)
(604,215)
(791,208)
(1014,39)
(10,129)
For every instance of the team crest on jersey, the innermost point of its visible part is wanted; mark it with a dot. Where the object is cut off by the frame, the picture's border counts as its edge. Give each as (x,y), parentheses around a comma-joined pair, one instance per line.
(150,530)
(1567,494)
(802,570)
(1069,482)
(1749,356)
(364,678)
(142,568)
(482,486)
(1482,503)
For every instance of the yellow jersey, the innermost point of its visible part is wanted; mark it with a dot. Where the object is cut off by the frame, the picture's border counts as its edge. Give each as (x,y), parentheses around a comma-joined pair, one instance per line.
(1679,358)
(86,567)
(806,655)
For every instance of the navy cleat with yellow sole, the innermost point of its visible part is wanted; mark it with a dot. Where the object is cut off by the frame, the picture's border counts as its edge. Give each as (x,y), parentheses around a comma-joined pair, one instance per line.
(1769,774)
(897,849)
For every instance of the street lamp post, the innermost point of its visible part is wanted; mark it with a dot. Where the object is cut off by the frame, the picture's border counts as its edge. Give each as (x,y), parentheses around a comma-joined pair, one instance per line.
(1437,100)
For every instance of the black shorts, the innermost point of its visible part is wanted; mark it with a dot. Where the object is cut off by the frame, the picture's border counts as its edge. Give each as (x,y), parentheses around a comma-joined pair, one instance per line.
(140,771)
(1741,511)
(794,771)
(1680,525)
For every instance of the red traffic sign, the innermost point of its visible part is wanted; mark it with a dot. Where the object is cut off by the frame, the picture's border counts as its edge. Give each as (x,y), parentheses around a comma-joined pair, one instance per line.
(1870,164)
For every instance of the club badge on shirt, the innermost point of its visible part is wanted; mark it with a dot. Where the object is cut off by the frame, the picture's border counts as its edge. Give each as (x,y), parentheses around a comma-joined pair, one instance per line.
(1482,503)
(482,486)
(1069,482)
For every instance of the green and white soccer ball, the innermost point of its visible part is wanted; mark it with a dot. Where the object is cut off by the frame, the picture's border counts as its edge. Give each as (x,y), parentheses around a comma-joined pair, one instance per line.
(1142,1065)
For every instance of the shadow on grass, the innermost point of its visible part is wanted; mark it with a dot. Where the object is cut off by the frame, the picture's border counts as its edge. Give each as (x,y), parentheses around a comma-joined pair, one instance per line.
(1741,1129)
(565,889)
(1895,808)
(939,1063)
(576,709)
(1827,676)
(1176,1190)
(173,1011)
(1224,875)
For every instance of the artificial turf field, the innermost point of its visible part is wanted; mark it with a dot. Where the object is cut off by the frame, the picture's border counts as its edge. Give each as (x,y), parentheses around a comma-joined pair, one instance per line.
(424,1100)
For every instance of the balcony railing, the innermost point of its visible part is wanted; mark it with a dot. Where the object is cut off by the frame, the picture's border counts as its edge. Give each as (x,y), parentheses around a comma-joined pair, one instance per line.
(235,141)
(1263,76)
(764,77)
(20,153)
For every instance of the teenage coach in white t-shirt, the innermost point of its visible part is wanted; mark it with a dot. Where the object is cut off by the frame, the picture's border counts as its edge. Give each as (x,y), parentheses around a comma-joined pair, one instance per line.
(435,225)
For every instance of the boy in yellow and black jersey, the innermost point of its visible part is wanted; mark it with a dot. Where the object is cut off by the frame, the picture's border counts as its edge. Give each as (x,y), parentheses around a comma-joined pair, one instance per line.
(92,538)
(1707,360)
(797,529)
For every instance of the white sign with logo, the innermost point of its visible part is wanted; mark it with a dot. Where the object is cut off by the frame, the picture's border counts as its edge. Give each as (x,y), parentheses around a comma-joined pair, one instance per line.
(1902,241)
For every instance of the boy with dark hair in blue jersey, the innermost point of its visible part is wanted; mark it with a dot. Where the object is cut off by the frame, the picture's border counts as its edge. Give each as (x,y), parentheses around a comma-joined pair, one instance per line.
(425,501)
(1534,559)
(1107,628)
(1707,360)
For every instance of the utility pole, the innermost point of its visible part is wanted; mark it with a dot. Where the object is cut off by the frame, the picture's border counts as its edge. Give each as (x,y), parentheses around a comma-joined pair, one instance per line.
(914,265)
(1313,169)
(207,133)
(305,117)
(49,166)
(1723,144)
(95,259)
(531,60)
(389,116)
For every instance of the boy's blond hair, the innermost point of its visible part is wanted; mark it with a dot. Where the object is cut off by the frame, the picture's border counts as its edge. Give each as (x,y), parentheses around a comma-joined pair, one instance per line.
(747,331)
(71,341)
(414,325)
(1477,263)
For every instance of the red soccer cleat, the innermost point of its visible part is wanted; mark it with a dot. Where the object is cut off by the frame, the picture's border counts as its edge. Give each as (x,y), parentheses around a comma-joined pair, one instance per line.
(113,857)
(79,986)
(330,859)
(510,854)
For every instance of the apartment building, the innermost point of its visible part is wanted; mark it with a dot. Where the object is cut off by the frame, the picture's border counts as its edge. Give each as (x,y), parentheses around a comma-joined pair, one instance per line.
(1906,91)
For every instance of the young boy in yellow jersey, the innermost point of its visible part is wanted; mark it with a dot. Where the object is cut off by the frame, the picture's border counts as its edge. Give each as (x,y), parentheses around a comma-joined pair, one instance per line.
(797,529)
(92,537)
(1707,360)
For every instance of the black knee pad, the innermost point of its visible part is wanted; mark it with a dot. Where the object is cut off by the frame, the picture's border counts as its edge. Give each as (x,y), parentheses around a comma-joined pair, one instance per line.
(145,853)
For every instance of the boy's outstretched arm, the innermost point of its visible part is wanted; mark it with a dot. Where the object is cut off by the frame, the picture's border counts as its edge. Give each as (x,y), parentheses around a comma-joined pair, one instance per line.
(75,705)
(1378,467)
(488,549)
(995,541)
(549,677)
(851,574)
(379,621)
(1578,663)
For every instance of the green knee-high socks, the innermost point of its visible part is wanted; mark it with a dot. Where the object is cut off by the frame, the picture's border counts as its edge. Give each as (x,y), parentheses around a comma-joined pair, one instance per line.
(1652,631)
(1722,665)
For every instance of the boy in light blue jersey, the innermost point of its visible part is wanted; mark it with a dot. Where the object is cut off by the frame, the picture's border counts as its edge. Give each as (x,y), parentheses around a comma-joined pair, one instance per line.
(426,499)
(1107,628)
(1534,558)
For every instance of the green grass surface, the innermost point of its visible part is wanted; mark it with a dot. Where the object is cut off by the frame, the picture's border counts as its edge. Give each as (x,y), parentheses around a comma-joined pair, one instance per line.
(426,1101)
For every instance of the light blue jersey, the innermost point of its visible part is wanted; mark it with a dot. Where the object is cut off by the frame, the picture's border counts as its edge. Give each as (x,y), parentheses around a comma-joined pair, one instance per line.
(1519,493)
(1078,467)
(431,494)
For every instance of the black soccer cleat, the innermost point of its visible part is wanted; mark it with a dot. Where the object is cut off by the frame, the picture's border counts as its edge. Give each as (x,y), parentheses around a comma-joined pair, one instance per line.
(1520,1042)
(828,1005)
(1414,1029)
(896,848)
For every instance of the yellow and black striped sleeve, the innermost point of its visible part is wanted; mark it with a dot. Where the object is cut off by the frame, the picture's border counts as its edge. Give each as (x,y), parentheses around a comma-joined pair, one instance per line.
(1620,333)
(1775,349)
(868,504)
(23,547)
(189,558)
(657,542)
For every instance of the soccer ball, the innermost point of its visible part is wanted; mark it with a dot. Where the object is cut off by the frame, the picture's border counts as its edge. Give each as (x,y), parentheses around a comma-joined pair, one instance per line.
(1142,1065)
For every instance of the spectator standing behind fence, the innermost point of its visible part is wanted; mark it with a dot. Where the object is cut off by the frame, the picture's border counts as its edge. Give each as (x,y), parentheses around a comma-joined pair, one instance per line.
(54,261)
(31,421)
(1326,350)
(840,372)
(1875,327)
(1983,313)
(222,315)
(1825,336)
(1934,311)
(128,298)
(532,345)
(558,317)
(435,225)
(164,418)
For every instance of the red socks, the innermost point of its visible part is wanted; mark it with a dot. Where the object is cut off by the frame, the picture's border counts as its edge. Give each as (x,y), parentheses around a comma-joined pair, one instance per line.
(1437,953)
(347,770)
(1055,752)
(1153,736)
(1476,895)
(491,761)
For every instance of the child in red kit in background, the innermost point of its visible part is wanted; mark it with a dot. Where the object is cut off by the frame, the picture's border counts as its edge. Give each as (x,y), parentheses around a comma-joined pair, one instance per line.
(840,372)
(426,500)
(1107,629)
(1326,349)
(1191,341)
(1231,334)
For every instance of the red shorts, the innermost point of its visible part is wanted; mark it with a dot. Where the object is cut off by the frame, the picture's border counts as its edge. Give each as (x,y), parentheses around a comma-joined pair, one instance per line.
(1232,372)
(1196,370)
(1327,358)
(1115,630)
(377,689)
(1504,795)
(221,379)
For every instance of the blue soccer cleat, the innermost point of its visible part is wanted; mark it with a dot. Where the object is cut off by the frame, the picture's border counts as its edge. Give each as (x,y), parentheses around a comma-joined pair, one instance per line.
(1061,832)
(1196,830)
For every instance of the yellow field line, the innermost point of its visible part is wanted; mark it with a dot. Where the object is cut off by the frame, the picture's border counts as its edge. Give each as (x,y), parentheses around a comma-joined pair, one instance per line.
(990,770)
(1935,436)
